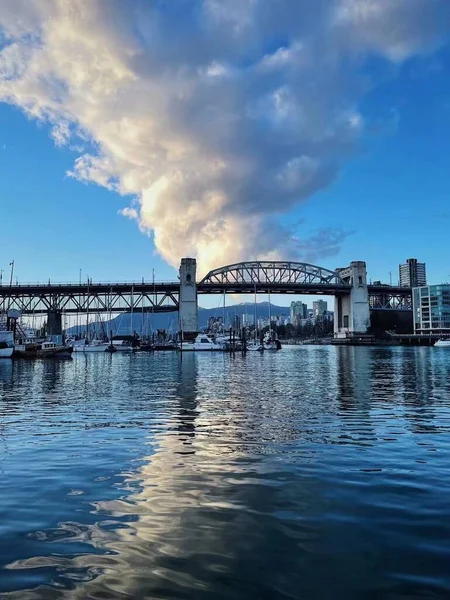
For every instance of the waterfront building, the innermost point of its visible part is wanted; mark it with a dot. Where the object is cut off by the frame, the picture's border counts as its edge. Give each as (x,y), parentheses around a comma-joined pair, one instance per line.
(431,309)
(412,273)
(320,307)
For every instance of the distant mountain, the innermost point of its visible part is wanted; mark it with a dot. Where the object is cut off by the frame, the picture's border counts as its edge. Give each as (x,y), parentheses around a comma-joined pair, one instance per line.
(147,323)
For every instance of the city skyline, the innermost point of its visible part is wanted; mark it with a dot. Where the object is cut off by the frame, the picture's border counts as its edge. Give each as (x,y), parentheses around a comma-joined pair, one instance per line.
(63,186)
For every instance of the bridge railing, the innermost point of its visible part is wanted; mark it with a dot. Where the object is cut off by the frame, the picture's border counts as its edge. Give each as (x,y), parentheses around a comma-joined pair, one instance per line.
(50,282)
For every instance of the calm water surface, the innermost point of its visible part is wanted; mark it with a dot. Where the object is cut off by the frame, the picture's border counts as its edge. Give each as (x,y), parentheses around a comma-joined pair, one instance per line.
(314,472)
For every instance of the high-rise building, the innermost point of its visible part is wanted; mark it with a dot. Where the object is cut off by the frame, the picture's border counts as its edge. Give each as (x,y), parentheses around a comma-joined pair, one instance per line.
(236,323)
(298,312)
(248,320)
(431,309)
(412,273)
(319,308)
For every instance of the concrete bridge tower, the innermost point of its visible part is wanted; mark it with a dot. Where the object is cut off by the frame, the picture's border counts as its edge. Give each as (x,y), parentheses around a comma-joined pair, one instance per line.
(352,311)
(188,306)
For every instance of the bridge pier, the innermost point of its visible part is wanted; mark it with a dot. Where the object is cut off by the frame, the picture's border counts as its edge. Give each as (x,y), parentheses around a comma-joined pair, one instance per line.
(351,311)
(54,322)
(188,305)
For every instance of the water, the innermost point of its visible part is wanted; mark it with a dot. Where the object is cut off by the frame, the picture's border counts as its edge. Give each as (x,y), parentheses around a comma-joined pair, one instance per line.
(315,472)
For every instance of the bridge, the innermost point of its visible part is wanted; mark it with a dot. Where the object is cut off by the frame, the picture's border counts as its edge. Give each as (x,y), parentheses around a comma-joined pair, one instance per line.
(354,298)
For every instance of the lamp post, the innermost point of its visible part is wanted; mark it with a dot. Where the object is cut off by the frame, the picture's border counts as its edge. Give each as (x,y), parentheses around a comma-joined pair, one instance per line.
(1,276)
(11,264)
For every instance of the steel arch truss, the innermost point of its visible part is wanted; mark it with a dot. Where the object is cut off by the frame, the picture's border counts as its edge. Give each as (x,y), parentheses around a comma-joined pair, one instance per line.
(273,273)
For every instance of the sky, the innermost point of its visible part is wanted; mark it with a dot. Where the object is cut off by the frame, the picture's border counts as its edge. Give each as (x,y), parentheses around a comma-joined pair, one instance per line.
(135,133)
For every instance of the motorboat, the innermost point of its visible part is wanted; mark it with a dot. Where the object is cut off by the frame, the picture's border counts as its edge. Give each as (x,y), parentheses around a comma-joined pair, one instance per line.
(42,349)
(443,343)
(203,342)
(6,344)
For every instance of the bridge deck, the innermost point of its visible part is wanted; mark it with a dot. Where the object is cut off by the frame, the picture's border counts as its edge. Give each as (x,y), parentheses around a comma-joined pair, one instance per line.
(164,296)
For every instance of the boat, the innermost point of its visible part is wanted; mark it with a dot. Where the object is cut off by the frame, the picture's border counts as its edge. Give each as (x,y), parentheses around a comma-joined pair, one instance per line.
(271,343)
(91,346)
(42,349)
(161,346)
(443,343)
(203,342)
(6,344)
(255,347)
(122,345)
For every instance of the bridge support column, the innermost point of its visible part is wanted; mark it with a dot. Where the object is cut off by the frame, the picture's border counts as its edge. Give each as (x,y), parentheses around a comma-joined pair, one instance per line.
(351,311)
(188,306)
(54,324)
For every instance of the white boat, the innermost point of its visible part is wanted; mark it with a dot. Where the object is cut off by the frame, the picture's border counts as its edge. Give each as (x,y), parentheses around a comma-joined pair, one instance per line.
(270,344)
(92,346)
(443,343)
(122,345)
(255,347)
(203,342)
(6,344)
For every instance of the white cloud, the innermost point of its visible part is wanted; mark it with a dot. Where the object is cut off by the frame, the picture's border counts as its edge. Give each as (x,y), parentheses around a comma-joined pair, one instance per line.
(218,116)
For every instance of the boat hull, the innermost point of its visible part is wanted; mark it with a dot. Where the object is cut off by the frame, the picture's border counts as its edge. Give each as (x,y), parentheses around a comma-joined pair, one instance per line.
(88,348)
(6,352)
(6,344)
(443,344)
(59,352)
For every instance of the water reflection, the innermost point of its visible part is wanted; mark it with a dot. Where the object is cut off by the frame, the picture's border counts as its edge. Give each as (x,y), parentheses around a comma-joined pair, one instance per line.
(295,475)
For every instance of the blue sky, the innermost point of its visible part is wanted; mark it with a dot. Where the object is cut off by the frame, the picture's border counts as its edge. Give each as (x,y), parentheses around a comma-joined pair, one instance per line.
(389,197)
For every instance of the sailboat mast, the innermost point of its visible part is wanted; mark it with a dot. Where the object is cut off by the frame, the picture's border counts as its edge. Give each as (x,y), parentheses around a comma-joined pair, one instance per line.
(153,306)
(87,311)
(255,318)
(142,310)
(132,303)
(223,317)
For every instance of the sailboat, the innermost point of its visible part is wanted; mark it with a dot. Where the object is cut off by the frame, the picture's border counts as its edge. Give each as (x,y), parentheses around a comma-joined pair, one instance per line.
(270,342)
(255,345)
(90,345)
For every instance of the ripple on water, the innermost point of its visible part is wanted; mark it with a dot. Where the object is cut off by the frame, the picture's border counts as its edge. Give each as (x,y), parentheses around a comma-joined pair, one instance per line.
(316,472)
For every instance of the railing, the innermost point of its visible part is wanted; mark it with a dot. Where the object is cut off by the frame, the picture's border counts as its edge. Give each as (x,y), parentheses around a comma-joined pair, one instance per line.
(50,283)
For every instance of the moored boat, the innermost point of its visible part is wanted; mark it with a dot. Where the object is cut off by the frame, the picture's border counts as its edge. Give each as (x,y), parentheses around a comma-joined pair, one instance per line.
(6,344)
(122,345)
(43,349)
(271,343)
(255,347)
(443,343)
(91,346)
(203,342)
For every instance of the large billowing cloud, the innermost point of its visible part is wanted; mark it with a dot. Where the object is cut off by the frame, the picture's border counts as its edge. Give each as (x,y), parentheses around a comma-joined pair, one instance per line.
(216,116)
